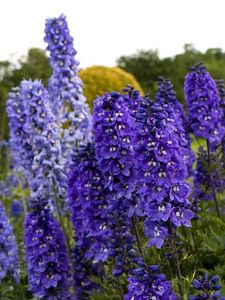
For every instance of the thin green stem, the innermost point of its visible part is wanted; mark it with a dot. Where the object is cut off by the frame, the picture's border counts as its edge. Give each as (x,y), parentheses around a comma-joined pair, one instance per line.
(212,182)
(176,263)
(133,219)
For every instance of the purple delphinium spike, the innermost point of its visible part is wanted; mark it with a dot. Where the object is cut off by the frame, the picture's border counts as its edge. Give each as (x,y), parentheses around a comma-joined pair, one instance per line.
(113,137)
(167,97)
(20,145)
(161,173)
(84,270)
(46,254)
(8,248)
(46,169)
(47,262)
(202,183)
(65,86)
(207,287)
(204,112)
(221,90)
(146,282)
(88,214)
(88,204)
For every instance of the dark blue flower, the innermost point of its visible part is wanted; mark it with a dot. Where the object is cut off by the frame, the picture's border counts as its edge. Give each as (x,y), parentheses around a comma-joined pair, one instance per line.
(65,87)
(8,248)
(47,262)
(113,136)
(204,112)
(163,191)
(166,96)
(207,287)
(147,283)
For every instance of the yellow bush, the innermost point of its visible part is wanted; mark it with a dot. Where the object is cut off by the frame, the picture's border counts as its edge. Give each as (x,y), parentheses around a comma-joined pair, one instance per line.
(99,79)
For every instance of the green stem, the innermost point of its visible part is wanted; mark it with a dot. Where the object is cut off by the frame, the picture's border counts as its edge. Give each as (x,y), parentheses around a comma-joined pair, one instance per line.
(212,182)
(133,219)
(176,263)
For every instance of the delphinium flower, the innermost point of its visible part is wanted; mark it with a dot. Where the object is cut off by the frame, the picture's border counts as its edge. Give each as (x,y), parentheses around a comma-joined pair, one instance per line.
(207,287)
(8,248)
(65,86)
(47,163)
(16,209)
(221,90)
(88,214)
(46,255)
(47,262)
(166,96)
(161,173)
(113,137)
(84,271)
(87,203)
(202,98)
(20,145)
(202,182)
(146,282)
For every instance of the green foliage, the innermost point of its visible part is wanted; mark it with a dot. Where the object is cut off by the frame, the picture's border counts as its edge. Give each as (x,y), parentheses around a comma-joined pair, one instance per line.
(34,65)
(147,66)
(99,79)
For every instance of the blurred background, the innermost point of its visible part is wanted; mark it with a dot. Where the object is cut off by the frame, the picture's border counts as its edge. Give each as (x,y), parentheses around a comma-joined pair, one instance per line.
(118,42)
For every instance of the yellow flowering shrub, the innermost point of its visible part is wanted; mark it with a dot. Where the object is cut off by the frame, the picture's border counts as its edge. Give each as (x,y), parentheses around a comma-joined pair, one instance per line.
(99,79)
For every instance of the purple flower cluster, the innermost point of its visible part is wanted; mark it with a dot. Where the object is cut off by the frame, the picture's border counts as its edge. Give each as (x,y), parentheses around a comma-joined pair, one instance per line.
(147,283)
(207,287)
(221,90)
(8,248)
(65,86)
(161,173)
(48,265)
(202,182)
(84,270)
(114,147)
(20,145)
(88,204)
(166,96)
(203,105)
(42,134)
(114,151)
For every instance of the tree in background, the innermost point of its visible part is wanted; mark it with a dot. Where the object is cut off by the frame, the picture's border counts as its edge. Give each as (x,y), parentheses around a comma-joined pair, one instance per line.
(147,67)
(99,79)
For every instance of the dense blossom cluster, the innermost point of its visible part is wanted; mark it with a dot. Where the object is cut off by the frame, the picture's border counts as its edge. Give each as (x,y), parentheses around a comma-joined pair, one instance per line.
(65,86)
(48,265)
(88,204)
(221,90)
(166,96)
(46,168)
(147,283)
(202,181)
(207,287)
(203,100)
(114,148)
(20,145)
(46,255)
(114,151)
(84,270)
(8,248)
(161,173)
(88,215)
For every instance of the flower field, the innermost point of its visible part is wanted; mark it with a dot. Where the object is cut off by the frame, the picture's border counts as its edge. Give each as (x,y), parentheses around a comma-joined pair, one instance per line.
(123,202)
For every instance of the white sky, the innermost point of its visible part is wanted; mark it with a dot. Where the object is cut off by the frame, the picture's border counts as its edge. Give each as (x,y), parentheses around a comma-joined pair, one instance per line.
(103,30)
